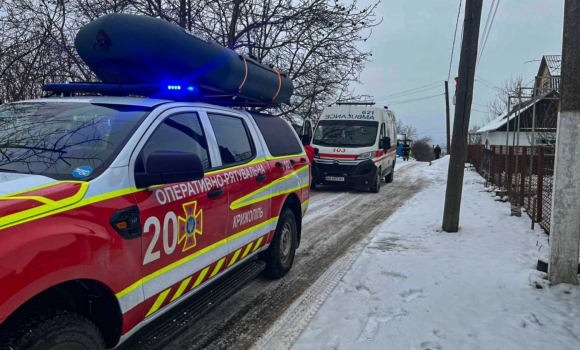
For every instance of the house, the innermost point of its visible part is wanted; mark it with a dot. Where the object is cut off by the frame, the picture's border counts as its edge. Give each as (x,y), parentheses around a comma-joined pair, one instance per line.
(546,102)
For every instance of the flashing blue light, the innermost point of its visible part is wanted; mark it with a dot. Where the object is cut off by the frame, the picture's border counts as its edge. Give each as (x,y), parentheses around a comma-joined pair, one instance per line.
(191,88)
(174,87)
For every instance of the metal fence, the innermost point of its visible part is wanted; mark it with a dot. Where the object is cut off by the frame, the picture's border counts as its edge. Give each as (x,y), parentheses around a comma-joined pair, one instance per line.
(524,173)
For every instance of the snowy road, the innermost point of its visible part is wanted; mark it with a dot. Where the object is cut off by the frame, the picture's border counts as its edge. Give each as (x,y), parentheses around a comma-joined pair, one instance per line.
(336,221)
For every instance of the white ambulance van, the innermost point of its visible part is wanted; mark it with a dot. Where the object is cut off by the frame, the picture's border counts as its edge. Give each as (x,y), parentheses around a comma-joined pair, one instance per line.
(354,148)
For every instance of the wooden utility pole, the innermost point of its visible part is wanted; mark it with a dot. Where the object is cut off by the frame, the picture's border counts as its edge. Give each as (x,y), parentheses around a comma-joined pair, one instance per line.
(467,63)
(565,223)
(448,117)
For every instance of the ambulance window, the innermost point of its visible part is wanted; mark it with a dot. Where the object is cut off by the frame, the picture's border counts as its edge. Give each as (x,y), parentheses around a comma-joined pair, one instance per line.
(233,139)
(180,132)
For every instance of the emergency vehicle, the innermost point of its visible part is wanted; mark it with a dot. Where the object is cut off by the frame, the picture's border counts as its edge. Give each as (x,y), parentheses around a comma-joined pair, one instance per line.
(354,143)
(117,207)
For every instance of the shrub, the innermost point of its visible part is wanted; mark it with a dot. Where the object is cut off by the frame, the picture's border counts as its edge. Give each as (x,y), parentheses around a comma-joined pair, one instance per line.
(422,151)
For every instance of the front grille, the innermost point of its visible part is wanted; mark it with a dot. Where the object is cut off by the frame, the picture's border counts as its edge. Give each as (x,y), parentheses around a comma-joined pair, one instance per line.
(335,168)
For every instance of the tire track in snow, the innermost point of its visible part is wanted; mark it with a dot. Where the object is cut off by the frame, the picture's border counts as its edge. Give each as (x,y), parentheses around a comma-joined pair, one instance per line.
(241,321)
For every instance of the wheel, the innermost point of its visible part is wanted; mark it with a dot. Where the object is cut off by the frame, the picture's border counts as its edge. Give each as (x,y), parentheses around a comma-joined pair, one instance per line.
(376,187)
(53,330)
(279,256)
(389,178)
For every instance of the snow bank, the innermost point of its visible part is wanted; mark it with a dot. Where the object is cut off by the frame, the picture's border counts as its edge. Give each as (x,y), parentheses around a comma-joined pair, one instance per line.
(414,287)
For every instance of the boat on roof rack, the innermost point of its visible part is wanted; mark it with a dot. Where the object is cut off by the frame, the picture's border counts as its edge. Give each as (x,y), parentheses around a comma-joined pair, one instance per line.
(146,56)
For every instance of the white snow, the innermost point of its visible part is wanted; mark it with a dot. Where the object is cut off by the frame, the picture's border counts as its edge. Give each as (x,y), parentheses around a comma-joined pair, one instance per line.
(415,287)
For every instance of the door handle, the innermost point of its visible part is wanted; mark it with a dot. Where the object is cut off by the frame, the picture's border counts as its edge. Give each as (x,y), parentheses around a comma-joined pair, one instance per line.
(215,193)
(292,161)
(261,178)
(279,165)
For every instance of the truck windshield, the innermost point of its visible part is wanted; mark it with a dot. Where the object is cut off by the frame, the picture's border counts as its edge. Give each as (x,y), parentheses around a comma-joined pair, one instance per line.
(346,133)
(57,139)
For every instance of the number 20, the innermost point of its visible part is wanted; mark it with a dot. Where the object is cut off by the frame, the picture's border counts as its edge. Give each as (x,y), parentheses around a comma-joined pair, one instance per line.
(170,221)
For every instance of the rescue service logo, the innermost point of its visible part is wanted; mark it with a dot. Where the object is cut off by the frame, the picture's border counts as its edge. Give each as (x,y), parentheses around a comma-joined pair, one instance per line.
(190,225)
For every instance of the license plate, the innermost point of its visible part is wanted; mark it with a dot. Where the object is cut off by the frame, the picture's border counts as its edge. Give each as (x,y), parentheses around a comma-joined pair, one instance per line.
(332,178)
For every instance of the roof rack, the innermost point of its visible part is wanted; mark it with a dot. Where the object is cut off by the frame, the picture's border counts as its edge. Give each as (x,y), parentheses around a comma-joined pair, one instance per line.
(175,91)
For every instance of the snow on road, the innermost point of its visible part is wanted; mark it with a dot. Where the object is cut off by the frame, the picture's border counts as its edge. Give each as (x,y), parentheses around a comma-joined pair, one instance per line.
(414,287)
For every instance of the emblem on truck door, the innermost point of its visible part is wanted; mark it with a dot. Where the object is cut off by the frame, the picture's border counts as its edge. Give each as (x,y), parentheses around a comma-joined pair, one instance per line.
(190,225)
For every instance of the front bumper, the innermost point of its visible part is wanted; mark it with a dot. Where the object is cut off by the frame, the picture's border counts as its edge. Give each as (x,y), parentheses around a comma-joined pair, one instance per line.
(354,173)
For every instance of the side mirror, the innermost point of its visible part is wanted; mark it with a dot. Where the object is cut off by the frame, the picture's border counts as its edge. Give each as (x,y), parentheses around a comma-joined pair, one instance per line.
(386,143)
(167,167)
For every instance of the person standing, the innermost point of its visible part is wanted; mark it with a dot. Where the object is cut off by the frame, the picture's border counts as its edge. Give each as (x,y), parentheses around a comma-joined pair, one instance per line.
(406,151)
(437,152)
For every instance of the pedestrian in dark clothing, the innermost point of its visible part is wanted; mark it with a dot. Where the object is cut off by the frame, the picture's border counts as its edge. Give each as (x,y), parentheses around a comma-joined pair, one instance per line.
(406,151)
(437,151)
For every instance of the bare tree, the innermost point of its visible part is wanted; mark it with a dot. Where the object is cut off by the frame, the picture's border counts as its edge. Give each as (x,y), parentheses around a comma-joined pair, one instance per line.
(473,137)
(499,104)
(313,42)
(404,129)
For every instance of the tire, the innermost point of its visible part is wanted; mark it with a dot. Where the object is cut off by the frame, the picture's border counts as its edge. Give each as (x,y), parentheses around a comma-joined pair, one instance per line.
(279,256)
(53,330)
(376,187)
(389,178)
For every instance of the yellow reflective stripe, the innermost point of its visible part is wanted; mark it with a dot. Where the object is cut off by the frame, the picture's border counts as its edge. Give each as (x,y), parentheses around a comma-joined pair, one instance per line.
(34,213)
(306,202)
(160,299)
(258,244)
(235,257)
(217,267)
(247,250)
(253,228)
(242,202)
(200,277)
(182,287)
(43,187)
(286,157)
(189,258)
(42,200)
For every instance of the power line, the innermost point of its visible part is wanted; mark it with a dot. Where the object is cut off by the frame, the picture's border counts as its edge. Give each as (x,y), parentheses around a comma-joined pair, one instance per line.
(407,91)
(484,32)
(488,31)
(454,38)
(414,100)
(408,94)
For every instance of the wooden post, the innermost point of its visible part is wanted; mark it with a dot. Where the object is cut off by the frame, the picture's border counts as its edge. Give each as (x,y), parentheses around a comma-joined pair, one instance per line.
(500,168)
(509,171)
(540,183)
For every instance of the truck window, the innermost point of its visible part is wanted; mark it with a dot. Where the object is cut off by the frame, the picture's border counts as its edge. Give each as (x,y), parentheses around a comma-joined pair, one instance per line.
(279,136)
(180,132)
(233,139)
(346,133)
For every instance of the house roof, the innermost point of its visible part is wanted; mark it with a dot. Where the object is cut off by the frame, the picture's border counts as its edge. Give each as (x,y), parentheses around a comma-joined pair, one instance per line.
(503,119)
(554,64)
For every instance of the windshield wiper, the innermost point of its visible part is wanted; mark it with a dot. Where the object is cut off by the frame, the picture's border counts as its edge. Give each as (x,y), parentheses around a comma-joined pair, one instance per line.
(33,148)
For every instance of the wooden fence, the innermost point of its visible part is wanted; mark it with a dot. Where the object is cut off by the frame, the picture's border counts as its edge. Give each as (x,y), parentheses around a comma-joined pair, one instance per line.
(525,172)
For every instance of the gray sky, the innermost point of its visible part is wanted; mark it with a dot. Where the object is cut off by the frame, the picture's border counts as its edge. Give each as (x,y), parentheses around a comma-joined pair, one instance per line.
(412,48)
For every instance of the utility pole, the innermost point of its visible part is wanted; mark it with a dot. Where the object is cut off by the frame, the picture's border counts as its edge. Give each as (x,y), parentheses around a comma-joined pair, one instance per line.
(448,117)
(565,226)
(467,63)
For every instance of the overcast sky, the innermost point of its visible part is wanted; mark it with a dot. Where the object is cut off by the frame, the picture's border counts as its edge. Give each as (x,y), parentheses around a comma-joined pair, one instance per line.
(412,48)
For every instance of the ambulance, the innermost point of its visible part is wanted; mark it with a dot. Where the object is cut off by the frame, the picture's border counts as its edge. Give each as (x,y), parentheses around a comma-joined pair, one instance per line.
(355,146)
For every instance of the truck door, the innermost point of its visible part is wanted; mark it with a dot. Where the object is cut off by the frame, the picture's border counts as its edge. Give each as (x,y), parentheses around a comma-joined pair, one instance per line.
(184,224)
(308,132)
(248,178)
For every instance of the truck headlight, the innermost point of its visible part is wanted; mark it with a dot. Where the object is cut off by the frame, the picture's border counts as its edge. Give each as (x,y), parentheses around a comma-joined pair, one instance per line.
(366,155)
